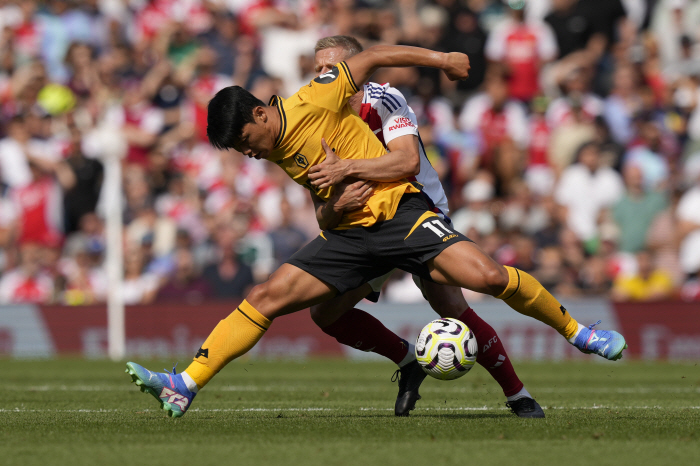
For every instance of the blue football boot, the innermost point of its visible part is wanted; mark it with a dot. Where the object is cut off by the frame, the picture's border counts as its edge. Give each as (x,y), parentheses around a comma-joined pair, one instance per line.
(606,343)
(169,389)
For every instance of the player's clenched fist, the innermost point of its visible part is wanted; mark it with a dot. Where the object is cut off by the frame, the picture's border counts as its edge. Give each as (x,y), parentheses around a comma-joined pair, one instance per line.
(456,66)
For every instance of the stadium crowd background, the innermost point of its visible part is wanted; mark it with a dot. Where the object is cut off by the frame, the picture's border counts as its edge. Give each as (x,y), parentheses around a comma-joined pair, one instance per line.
(572,151)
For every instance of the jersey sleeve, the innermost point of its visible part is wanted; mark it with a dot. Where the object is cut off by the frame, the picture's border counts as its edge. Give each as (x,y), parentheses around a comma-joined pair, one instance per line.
(397,117)
(330,90)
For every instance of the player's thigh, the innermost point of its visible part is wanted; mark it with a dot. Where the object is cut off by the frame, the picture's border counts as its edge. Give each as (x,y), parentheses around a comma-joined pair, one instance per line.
(289,289)
(446,300)
(466,265)
(327,312)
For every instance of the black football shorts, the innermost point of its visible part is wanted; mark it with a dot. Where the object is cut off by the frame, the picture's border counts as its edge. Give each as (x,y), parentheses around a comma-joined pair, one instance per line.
(346,259)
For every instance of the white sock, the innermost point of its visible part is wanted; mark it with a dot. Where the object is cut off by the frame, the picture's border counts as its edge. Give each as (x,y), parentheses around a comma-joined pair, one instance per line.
(521,394)
(573,339)
(410,355)
(191,384)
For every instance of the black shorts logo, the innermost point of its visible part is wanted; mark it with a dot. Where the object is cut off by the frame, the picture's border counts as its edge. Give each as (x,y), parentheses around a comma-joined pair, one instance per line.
(300,160)
(328,77)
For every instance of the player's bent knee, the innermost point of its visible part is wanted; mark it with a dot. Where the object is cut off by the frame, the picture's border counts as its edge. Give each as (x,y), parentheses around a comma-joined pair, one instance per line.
(327,313)
(496,278)
(447,301)
(259,295)
(317,315)
(269,298)
(322,319)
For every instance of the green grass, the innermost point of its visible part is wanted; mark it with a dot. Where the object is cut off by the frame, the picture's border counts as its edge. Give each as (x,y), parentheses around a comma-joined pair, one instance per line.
(339,413)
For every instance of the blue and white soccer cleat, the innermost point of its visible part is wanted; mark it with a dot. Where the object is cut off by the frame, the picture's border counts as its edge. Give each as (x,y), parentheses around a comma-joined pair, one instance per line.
(169,389)
(606,343)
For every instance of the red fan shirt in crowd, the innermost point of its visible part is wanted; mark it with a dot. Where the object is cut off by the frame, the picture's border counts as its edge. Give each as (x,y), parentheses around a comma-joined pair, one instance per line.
(158,13)
(247,16)
(539,141)
(521,47)
(201,162)
(144,117)
(39,206)
(521,57)
(17,287)
(495,126)
(201,92)
(152,18)
(494,131)
(27,40)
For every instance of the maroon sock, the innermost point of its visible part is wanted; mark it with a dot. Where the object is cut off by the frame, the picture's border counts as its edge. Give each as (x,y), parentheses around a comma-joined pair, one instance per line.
(360,330)
(492,354)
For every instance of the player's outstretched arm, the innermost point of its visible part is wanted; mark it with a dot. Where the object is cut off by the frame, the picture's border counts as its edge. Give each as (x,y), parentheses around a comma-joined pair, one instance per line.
(364,64)
(346,197)
(402,161)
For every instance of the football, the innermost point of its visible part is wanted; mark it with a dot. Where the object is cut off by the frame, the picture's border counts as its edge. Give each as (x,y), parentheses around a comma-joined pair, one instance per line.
(446,349)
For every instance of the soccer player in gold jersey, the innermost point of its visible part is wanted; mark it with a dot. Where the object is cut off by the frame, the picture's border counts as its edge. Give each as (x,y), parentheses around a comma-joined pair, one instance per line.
(387,113)
(395,228)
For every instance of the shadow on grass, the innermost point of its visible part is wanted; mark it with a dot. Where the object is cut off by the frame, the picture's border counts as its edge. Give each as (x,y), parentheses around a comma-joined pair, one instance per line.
(391,416)
(467,416)
(297,416)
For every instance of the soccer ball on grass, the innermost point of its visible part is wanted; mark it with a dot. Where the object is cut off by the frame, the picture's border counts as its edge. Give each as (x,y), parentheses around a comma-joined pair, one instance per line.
(446,349)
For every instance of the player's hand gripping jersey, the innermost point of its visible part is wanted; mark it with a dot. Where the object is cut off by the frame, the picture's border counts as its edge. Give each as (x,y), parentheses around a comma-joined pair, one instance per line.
(320,110)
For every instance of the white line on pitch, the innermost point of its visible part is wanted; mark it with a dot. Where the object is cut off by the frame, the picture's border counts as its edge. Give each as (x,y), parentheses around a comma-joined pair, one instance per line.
(275,410)
(309,388)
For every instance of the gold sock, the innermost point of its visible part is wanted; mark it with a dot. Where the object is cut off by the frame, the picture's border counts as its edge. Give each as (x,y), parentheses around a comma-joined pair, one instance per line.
(527,296)
(231,338)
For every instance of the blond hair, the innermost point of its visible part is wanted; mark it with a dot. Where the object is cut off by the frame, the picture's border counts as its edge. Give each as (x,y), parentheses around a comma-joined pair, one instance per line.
(347,43)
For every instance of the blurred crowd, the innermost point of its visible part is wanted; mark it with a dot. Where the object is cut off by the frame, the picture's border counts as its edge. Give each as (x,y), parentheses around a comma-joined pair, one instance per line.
(571,152)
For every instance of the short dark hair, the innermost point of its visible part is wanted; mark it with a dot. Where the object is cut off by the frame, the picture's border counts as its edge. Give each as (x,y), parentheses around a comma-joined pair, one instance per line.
(228,112)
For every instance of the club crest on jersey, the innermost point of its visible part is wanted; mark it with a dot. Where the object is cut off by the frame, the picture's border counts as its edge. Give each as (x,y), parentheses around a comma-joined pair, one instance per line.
(328,77)
(300,160)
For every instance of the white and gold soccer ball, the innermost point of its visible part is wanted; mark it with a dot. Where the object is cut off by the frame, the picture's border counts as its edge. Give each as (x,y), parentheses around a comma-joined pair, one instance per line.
(446,349)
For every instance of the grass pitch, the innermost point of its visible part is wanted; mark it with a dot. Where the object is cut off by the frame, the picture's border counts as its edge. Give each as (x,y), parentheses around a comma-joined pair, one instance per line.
(329,413)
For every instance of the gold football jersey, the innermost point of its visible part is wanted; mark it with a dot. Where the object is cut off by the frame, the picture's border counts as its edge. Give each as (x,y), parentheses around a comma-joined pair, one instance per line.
(319,110)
